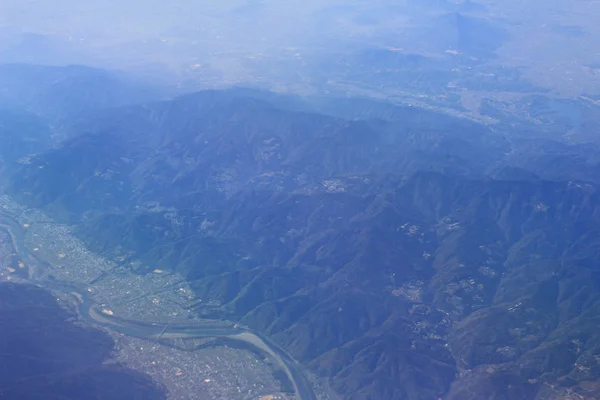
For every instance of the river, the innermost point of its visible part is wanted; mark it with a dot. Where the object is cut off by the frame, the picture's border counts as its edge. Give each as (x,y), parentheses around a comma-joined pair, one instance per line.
(88,312)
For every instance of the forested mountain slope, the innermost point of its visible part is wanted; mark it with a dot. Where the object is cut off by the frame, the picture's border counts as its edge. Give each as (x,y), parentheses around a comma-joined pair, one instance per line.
(401,253)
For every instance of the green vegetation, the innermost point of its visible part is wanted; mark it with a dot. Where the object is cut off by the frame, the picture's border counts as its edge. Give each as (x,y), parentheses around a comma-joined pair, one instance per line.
(400,253)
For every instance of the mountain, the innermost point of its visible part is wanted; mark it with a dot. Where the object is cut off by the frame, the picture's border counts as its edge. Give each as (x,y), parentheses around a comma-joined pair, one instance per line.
(22,134)
(220,143)
(399,253)
(39,104)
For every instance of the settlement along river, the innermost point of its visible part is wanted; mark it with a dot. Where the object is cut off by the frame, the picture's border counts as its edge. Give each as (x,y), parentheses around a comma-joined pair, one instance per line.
(155,331)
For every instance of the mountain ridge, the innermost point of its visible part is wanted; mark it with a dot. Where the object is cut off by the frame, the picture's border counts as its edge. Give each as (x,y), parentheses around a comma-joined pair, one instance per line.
(391,259)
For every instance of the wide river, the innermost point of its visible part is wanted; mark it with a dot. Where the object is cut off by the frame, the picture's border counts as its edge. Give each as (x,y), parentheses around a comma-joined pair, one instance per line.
(88,312)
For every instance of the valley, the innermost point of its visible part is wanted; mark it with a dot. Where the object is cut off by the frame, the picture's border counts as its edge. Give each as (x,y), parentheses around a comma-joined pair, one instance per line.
(322,200)
(377,250)
(71,281)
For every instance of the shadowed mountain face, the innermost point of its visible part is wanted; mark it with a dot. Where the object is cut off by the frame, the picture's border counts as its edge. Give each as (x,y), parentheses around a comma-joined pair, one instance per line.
(21,133)
(44,355)
(39,104)
(400,253)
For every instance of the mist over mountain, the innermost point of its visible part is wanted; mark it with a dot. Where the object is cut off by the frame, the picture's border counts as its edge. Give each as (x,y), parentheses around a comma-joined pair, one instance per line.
(397,252)
(60,94)
(402,197)
(296,46)
(39,104)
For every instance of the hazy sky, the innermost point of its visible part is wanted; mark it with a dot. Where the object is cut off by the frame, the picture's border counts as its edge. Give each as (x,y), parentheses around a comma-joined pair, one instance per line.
(556,42)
